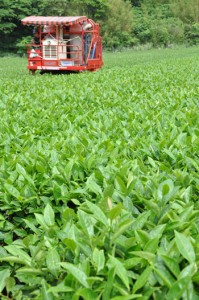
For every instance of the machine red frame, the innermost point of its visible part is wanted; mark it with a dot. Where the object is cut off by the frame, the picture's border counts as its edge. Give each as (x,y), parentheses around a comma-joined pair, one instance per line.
(71,44)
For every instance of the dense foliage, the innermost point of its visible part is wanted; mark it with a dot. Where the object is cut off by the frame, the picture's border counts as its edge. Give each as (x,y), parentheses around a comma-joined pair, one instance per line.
(123,23)
(99,180)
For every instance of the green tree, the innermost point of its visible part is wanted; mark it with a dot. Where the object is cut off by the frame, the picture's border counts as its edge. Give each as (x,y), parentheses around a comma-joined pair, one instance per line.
(123,22)
(188,13)
(90,8)
(156,24)
(186,10)
(118,24)
(142,24)
(136,3)
(11,11)
(11,29)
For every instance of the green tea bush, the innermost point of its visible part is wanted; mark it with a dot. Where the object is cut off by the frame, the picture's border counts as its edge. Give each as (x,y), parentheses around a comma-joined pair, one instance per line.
(99,179)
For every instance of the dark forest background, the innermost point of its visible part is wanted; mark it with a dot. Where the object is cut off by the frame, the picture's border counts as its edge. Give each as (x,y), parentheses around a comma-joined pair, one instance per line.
(135,23)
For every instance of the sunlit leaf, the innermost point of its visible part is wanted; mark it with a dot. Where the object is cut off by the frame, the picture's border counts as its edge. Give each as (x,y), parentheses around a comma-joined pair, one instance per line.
(49,216)
(97,212)
(99,259)
(119,270)
(4,274)
(53,260)
(185,247)
(12,190)
(172,265)
(17,252)
(115,211)
(23,172)
(77,273)
(142,279)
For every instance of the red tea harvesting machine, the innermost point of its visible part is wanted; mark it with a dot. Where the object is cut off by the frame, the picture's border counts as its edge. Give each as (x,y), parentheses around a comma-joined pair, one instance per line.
(68,44)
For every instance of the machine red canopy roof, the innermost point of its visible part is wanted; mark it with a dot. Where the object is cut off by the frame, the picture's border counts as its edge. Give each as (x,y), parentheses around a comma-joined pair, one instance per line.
(39,20)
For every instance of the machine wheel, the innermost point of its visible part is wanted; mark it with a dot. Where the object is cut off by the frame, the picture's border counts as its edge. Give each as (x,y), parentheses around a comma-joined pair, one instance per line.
(32,72)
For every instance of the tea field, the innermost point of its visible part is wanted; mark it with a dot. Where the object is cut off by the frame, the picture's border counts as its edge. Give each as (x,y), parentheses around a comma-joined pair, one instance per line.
(99,179)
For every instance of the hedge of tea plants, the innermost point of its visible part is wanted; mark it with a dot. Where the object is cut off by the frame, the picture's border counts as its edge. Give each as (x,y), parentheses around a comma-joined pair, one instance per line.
(99,180)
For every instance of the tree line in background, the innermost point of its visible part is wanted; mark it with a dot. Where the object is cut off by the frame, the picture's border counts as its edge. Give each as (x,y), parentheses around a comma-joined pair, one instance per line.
(124,23)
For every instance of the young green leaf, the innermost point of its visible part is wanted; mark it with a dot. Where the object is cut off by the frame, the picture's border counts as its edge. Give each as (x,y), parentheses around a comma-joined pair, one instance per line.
(177,289)
(76,272)
(142,279)
(40,220)
(121,229)
(172,265)
(12,190)
(120,185)
(189,271)
(53,261)
(165,190)
(87,294)
(17,252)
(129,297)
(145,255)
(98,213)
(87,222)
(23,172)
(93,186)
(140,221)
(109,284)
(13,259)
(49,216)
(115,212)
(99,259)
(185,247)
(164,276)
(10,284)
(152,245)
(121,272)
(45,294)
(4,274)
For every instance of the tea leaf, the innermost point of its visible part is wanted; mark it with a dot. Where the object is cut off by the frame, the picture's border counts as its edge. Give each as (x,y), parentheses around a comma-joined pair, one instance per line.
(23,172)
(12,191)
(165,190)
(53,261)
(119,270)
(49,216)
(77,273)
(115,211)
(178,288)
(127,297)
(164,276)
(185,247)
(109,284)
(120,185)
(142,279)
(87,294)
(17,252)
(4,274)
(46,295)
(97,213)
(122,228)
(99,259)
(172,265)
(10,283)
(41,221)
